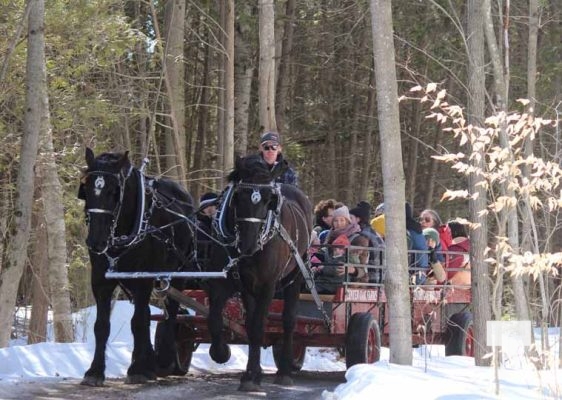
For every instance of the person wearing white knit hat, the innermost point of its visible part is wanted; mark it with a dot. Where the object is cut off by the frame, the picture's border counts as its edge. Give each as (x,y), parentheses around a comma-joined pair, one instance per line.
(342,225)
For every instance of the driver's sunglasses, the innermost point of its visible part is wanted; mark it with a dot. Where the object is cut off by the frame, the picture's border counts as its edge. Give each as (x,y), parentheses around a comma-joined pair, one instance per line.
(271,147)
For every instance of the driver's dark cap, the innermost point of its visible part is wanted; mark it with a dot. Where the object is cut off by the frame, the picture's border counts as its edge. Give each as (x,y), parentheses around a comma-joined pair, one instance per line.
(270,137)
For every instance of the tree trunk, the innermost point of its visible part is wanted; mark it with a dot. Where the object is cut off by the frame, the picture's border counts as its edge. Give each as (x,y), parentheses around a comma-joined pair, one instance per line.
(396,284)
(51,193)
(19,230)
(368,146)
(267,65)
(37,332)
(244,72)
(221,95)
(174,75)
(202,128)
(283,79)
(228,150)
(478,236)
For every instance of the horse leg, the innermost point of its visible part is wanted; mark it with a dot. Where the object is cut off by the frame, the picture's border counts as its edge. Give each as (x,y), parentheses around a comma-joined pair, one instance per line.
(167,362)
(256,311)
(218,295)
(142,368)
(102,290)
(290,296)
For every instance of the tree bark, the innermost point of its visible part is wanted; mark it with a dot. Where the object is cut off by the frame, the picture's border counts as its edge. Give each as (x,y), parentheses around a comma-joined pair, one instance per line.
(51,193)
(174,76)
(19,230)
(478,236)
(267,65)
(283,79)
(228,150)
(396,283)
(37,332)
(244,65)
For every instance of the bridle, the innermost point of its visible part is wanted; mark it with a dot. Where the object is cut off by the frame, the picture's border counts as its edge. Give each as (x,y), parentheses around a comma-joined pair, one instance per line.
(270,222)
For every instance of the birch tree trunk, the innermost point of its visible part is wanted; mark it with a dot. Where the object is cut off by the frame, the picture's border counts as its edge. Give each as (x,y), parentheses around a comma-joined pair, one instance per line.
(396,283)
(244,67)
(19,230)
(51,194)
(267,65)
(478,236)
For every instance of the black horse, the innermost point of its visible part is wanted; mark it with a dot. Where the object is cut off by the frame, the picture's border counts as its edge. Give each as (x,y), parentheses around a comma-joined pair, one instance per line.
(269,223)
(135,223)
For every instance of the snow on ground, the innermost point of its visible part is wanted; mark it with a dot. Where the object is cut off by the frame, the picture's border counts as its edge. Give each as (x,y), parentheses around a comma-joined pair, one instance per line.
(432,375)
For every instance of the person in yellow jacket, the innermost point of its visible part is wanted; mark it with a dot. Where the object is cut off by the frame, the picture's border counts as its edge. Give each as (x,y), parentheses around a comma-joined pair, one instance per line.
(377,223)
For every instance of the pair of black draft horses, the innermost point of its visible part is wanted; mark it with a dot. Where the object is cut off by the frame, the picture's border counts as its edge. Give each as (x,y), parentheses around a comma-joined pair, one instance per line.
(141,224)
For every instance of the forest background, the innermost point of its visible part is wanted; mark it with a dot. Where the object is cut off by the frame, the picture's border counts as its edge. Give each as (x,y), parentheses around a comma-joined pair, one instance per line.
(190,84)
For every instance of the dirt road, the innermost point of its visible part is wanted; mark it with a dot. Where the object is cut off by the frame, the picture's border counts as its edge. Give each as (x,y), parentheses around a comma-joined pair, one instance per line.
(198,386)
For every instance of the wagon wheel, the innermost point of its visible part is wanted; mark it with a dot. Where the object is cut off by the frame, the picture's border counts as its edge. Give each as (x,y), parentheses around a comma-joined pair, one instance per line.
(299,352)
(184,348)
(363,340)
(460,335)
(185,345)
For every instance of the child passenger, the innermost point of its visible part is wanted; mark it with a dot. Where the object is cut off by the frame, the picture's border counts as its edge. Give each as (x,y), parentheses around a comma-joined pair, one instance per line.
(332,274)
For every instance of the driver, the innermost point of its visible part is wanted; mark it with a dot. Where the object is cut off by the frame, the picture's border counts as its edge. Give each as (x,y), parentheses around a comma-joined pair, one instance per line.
(270,150)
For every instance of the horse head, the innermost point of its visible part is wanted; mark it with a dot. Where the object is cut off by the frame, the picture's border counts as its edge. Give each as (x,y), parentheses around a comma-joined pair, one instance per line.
(102,187)
(256,202)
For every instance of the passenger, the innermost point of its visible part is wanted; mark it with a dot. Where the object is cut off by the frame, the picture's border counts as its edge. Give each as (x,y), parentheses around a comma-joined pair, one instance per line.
(430,219)
(362,214)
(315,251)
(416,242)
(332,275)
(460,244)
(377,223)
(323,214)
(270,150)
(341,225)
(437,273)
(205,215)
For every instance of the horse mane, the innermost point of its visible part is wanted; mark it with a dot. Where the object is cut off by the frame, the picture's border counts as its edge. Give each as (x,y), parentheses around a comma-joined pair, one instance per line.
(254,169)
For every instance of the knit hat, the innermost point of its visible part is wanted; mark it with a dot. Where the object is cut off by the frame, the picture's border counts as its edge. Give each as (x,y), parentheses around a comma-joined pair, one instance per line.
(207,199)
(379,210)
(431,233)
(362,211)
(341,240)
(343,211)
(270,137)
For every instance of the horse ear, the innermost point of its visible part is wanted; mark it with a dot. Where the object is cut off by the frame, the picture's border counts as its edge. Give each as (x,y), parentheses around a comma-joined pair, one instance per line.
(234,175)
(124,160)
(90,157)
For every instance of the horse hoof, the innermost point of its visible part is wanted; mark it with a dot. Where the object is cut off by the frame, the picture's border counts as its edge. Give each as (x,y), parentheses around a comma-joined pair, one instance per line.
(283,380)
(165,371)
(249,386)
(219,354)
(137,379)
(92,381)
(150,375)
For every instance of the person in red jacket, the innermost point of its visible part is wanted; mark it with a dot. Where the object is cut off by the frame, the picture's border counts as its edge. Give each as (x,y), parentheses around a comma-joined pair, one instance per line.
(458,266)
